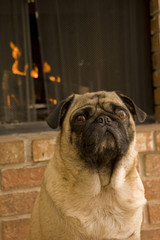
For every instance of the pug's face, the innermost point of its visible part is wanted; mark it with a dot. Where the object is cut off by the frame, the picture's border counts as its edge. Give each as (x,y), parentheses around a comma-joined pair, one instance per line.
(99,125)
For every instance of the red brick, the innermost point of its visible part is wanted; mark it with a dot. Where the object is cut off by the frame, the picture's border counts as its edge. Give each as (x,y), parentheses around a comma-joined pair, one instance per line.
(157,113)
(157,96)
(154,213)
(43,149)
(15,229)
(153,234)
(156,61)
(12,152)
(158,139)
(152,188)
(154,6)
(17,203)
(155,42)
(152,164)
(155,24)
(144,141)
(22,178)
(156,78)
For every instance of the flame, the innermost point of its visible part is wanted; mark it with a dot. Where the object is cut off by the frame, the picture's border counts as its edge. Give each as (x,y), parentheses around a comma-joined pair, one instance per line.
(46,67)
(52,78)
(16,53)
(34,72)
(53,100)
(58,79)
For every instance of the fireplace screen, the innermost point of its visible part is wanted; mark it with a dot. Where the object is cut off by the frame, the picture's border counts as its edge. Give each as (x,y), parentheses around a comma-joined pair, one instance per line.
(50,49)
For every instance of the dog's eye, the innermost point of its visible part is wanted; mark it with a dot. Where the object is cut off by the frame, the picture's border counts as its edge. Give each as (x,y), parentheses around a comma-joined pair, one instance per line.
(80,119)
(121,114)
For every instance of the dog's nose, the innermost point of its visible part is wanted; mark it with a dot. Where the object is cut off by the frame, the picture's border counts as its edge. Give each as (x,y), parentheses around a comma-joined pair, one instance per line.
(103,120)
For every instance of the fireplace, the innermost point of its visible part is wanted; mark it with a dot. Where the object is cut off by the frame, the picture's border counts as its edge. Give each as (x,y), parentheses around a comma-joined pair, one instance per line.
(51,49)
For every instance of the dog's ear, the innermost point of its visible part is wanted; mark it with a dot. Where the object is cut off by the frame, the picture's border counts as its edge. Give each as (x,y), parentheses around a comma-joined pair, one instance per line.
(56,117)
(135,111)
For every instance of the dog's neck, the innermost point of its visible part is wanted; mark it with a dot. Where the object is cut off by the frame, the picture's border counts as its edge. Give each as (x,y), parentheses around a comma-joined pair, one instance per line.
(104,175)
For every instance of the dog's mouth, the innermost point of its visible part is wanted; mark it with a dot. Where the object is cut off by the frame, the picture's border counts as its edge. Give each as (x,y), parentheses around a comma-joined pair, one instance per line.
(100,148)
(98,143)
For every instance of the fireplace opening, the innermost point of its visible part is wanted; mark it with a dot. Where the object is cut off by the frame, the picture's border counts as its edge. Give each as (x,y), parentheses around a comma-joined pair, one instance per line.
(37,69)
(51,49)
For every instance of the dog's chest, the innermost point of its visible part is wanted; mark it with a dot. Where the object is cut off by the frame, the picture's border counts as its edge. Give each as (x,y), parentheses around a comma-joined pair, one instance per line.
(99,215)
(107,223)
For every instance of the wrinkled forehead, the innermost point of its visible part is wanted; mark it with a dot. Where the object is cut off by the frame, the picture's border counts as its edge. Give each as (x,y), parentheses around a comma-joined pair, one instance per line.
(102,99)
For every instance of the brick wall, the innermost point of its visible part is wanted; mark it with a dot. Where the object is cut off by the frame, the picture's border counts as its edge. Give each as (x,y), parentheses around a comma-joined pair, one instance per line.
(23,159)
(148,146)
(155,48)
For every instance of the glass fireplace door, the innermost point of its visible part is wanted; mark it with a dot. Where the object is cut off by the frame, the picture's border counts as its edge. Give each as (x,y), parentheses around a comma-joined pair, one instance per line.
(50,49)
(17,100)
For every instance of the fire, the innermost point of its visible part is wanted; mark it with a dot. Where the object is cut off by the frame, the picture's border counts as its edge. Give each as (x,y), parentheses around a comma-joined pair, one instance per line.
(58,79)
(52,78)
(16,54)
(46,67)
(53,100)
(34,72)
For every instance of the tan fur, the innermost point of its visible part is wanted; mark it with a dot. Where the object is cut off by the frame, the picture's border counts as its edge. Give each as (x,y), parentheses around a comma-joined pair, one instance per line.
(76,203)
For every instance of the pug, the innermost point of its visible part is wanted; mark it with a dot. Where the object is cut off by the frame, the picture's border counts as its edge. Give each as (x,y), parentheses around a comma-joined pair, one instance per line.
(91,188)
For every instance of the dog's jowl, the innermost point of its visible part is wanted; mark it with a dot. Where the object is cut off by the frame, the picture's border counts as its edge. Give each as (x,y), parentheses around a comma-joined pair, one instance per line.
(91,188)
